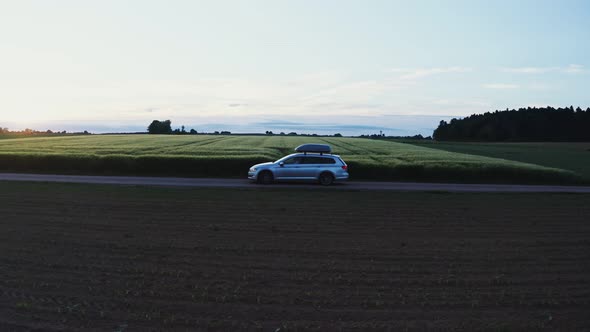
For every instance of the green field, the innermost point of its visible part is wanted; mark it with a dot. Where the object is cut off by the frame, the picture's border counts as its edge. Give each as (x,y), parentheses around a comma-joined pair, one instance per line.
(571,156)
(231,156)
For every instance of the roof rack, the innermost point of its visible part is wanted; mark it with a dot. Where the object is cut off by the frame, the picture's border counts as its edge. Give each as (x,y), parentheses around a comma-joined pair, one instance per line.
(315,148)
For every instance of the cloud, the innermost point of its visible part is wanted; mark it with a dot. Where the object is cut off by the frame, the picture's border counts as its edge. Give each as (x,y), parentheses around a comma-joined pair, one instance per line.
(501,86)
(351,97)
(455,102)
(279,123)
(574,69)
(529,70)
(417,73)
(309,126)
(540,86)
(570,69)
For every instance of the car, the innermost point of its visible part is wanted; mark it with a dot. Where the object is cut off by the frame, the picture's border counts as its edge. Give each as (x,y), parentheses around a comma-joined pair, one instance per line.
(312,162)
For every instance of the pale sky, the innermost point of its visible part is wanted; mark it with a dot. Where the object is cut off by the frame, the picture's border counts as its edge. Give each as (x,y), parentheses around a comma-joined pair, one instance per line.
(308,66)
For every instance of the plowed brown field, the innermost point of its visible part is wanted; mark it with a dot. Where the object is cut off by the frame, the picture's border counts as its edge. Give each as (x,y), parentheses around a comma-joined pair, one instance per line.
(107,258)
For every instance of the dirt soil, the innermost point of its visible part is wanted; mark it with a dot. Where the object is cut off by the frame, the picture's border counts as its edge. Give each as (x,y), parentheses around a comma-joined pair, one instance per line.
(108,258)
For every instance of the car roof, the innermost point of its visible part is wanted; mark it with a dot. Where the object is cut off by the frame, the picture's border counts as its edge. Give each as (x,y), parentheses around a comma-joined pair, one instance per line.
(310,154)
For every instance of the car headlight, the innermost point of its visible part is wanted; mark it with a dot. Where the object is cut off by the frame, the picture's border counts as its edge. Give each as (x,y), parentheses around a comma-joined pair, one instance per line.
(252,169)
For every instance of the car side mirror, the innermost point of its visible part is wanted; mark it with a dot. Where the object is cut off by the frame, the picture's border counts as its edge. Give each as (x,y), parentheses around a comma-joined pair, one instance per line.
(282,163)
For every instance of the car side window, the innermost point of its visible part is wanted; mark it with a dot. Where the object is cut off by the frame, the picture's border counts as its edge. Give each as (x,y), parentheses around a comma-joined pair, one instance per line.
(291,161)
(318,160)
(311,160)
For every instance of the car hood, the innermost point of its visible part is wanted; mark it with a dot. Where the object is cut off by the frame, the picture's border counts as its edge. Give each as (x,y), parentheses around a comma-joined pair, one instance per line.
(263,164)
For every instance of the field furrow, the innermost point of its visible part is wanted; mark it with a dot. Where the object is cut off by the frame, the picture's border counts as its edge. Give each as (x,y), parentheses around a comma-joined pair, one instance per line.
(80,257)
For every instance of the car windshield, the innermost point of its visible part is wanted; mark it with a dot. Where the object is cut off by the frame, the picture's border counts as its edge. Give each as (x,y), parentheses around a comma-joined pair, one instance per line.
(284,158)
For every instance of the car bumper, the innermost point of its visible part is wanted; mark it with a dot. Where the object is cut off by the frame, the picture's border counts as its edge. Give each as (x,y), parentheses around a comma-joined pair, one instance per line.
(341,177)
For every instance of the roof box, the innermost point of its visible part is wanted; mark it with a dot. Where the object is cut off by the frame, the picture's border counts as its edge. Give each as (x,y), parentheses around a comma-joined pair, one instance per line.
(316,148)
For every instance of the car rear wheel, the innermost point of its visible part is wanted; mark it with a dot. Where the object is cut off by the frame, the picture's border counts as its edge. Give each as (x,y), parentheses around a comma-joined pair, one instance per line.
(265,177)
(326,179)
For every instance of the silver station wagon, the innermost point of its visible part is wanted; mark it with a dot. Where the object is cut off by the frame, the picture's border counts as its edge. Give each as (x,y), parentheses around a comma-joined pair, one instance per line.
(313,162)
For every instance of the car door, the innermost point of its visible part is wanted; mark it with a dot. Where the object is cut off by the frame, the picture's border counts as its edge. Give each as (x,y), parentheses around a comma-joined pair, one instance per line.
(289,169)
(311,167)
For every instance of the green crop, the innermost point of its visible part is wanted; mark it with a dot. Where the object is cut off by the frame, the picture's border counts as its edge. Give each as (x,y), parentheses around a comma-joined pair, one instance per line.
(231,156)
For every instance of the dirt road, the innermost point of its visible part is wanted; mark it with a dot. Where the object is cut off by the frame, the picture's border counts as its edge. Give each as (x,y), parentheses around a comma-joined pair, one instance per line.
(243,183)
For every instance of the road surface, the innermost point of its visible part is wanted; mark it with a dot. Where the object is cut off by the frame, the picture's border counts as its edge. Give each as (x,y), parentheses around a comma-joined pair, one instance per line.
(244,183)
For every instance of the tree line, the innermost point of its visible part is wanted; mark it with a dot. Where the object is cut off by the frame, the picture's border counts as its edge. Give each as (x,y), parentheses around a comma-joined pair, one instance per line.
(32,132)
(165,128)
(524,124)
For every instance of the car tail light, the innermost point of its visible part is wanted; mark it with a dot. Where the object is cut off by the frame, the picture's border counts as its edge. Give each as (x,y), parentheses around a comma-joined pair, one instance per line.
(345,167)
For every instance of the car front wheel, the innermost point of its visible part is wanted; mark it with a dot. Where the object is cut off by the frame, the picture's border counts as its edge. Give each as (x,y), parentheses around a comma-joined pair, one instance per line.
(265,177)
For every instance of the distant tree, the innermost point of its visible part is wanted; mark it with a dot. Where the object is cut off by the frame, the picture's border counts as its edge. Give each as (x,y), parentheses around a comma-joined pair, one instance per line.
(193,132)
(180,131)
(292,133)
(282,133)
(226,132)
(216,132)
(160,127)
(268,132)
(524,124)
(338,135)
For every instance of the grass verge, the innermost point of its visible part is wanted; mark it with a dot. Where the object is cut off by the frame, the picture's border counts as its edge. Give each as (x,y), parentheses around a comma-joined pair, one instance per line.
(237,167)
